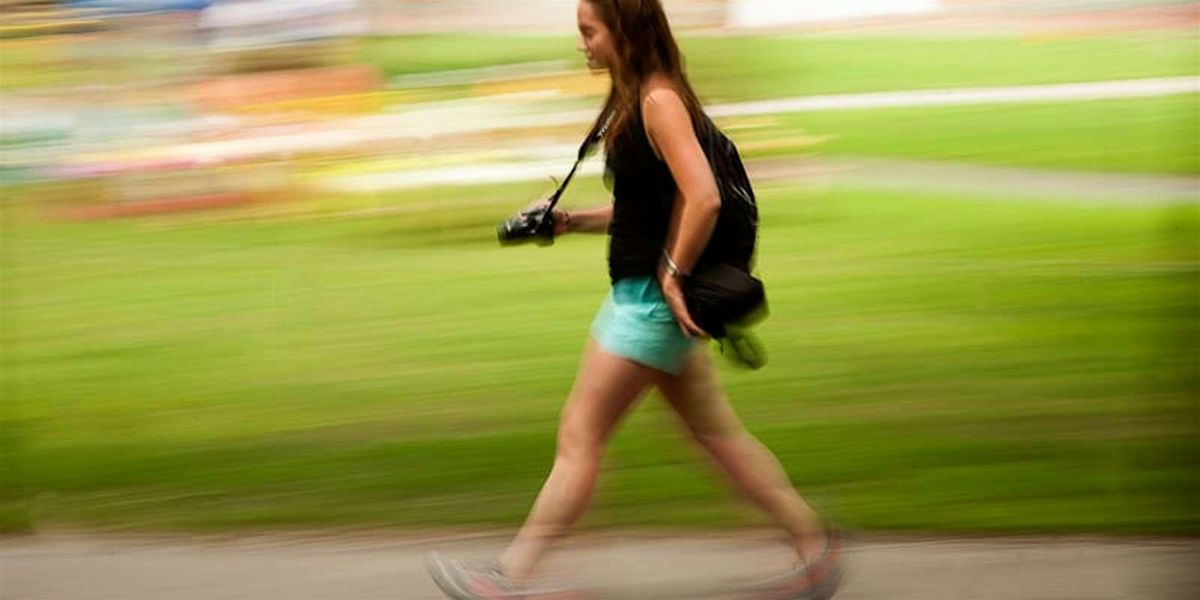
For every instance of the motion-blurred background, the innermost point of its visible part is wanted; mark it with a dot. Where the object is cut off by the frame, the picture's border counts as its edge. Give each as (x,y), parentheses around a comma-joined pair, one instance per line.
(250,277)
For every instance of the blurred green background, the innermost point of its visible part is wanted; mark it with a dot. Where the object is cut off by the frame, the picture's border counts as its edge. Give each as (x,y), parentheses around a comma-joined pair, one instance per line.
(940,361)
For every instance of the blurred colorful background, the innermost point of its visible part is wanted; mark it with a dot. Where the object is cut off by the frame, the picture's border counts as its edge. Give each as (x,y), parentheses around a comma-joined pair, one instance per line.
(250,277)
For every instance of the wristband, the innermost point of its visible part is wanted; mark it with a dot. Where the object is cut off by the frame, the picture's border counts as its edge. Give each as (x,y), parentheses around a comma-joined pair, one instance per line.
(672,268)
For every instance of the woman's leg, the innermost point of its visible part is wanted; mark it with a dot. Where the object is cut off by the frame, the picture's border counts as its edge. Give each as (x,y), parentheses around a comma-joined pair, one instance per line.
(605,388)
(696,396)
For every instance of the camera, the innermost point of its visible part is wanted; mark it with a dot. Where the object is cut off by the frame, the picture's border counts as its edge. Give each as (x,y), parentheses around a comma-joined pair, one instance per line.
(534,225)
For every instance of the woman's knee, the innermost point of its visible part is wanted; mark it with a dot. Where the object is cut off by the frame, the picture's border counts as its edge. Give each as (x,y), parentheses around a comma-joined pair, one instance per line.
(578,440)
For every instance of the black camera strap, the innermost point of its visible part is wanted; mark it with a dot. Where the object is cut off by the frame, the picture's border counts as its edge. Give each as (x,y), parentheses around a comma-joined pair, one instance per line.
(585,148)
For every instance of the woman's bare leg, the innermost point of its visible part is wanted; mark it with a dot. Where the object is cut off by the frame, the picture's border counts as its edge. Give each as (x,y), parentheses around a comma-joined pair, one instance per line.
(696,396)
(605,388)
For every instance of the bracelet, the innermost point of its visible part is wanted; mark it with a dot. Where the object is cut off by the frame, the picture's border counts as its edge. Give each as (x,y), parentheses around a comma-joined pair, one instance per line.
(672,268)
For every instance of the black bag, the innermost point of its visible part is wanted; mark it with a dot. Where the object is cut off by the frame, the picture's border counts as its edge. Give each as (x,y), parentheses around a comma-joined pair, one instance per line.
(734,237)
(721,291)
(720,295)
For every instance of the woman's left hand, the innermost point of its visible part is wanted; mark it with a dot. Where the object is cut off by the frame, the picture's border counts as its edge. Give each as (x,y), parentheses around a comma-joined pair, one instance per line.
(672,290)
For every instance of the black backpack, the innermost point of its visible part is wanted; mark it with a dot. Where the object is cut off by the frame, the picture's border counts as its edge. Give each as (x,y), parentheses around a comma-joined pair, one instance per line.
(733,240)
(720,290)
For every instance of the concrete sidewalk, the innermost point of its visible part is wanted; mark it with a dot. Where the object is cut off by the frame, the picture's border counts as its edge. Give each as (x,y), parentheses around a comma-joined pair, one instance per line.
(614,566)
(965,179)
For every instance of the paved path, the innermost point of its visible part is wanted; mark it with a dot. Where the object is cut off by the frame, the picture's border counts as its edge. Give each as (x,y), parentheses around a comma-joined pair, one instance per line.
(1061,92)
(489,113)
(968,180)
(985,181)
(58,567)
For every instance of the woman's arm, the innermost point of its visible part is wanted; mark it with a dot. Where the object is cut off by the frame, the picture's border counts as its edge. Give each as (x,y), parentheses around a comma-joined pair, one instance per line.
(588,220)
(698,203)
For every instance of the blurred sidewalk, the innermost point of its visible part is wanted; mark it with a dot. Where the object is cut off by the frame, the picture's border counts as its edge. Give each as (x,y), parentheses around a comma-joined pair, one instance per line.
(981,181)
(614,566)
(989,181)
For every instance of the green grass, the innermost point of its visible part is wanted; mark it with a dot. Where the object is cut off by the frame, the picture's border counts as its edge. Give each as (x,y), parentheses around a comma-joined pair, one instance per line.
(1155,135)
(938,364)
(731,68)
(32,65)
(415,54)
(768,66)
(726,69)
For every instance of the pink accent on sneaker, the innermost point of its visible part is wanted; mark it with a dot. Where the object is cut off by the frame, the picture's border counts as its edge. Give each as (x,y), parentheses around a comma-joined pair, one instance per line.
(487,589)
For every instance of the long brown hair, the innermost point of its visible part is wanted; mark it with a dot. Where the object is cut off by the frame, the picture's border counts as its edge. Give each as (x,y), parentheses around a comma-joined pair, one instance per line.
(645,46)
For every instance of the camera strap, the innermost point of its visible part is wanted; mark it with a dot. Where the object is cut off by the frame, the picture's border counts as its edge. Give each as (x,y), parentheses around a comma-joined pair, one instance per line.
(585,148)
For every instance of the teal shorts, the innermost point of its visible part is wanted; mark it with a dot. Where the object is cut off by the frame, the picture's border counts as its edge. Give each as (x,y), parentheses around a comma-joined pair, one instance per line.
(635,323)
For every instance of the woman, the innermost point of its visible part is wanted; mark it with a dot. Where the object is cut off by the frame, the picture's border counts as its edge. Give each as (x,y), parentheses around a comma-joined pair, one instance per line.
(665,207)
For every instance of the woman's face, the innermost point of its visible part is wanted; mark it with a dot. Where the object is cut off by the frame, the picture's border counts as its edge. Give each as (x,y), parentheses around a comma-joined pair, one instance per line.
(595,40)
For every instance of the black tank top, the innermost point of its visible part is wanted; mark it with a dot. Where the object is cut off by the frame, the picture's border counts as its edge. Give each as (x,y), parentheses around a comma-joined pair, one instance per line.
(643,197)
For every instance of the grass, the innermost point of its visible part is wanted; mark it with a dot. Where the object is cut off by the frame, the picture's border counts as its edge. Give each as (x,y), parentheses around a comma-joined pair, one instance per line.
(1152,135)
(938,364)
(739,67)
(732,68)
(416,54)
(751,67)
